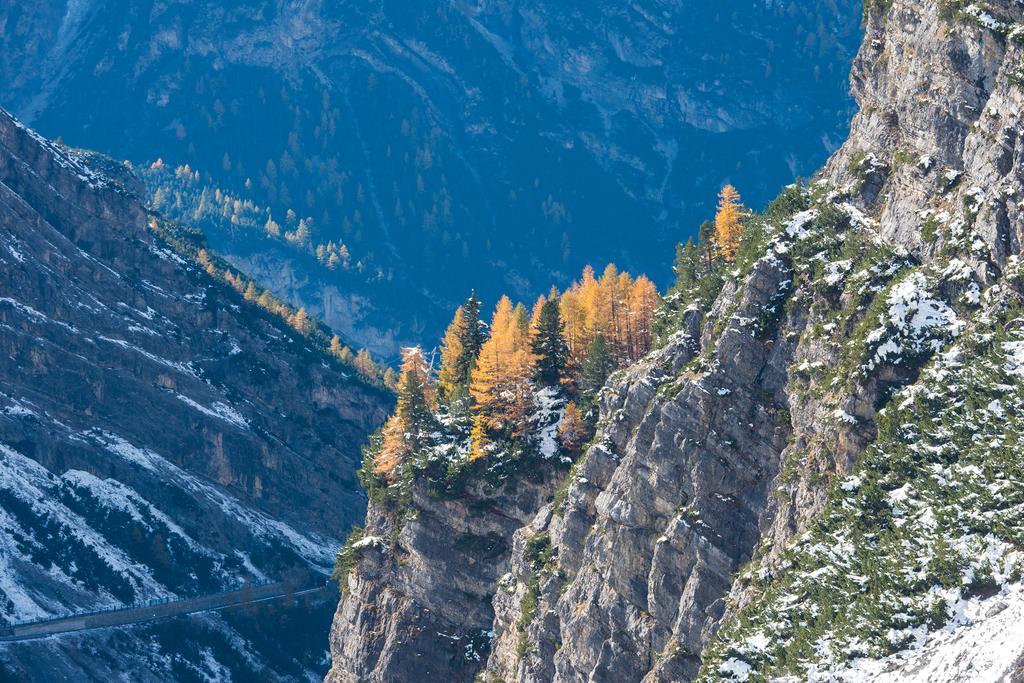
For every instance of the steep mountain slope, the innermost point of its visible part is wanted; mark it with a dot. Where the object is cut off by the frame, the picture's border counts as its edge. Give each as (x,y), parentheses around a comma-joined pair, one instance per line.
(936,155)
(159,436)
(872,327)
(501,144)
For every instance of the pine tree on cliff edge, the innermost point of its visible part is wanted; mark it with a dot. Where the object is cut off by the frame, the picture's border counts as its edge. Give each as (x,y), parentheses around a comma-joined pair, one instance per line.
(729,222)
(408,429)
(549,346)
(599,364)
(459,351)
(500,384)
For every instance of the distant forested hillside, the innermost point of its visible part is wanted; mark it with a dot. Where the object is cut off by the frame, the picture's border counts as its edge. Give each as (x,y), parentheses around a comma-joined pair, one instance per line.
(443,144)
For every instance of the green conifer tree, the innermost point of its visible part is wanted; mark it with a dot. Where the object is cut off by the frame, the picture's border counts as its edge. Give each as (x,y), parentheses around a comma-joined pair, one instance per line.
(459,350)
(549,346)
(597,366)
(408,430)
(416,397)
(688,264)
(476,329)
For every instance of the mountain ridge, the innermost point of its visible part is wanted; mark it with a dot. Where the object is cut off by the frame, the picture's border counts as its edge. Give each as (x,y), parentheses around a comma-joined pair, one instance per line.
(691,540)
(156,431)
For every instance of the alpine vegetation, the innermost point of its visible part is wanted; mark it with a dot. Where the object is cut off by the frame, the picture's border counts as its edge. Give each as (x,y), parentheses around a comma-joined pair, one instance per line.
(810,474)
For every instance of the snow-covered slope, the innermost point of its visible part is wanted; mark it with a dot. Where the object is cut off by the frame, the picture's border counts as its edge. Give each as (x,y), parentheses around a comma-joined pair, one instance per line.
(159,436)
(983,643)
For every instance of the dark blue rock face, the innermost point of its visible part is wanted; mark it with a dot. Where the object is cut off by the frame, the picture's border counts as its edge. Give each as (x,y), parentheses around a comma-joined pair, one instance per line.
(494,144)
(160,439)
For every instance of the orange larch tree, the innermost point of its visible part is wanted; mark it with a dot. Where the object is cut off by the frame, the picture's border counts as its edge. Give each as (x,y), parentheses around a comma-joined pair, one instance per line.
(729,222)
(500,384)
(643,301)
(409,429)
(574,324)
(394,449)
(459,349)
(535,312)
(572,431)
(607,309)
(453,375)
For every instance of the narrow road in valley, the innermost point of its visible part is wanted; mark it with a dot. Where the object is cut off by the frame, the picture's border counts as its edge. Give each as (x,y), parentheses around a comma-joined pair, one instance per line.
(137,615)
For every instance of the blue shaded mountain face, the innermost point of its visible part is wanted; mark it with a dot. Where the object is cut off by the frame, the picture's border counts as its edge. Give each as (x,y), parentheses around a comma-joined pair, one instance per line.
(498,145)
(160,438)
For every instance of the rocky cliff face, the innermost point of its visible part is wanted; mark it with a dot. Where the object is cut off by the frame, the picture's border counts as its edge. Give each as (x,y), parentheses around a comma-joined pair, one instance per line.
(159,436)
(717,491)
(415,610)
(939,90)
(934,157)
